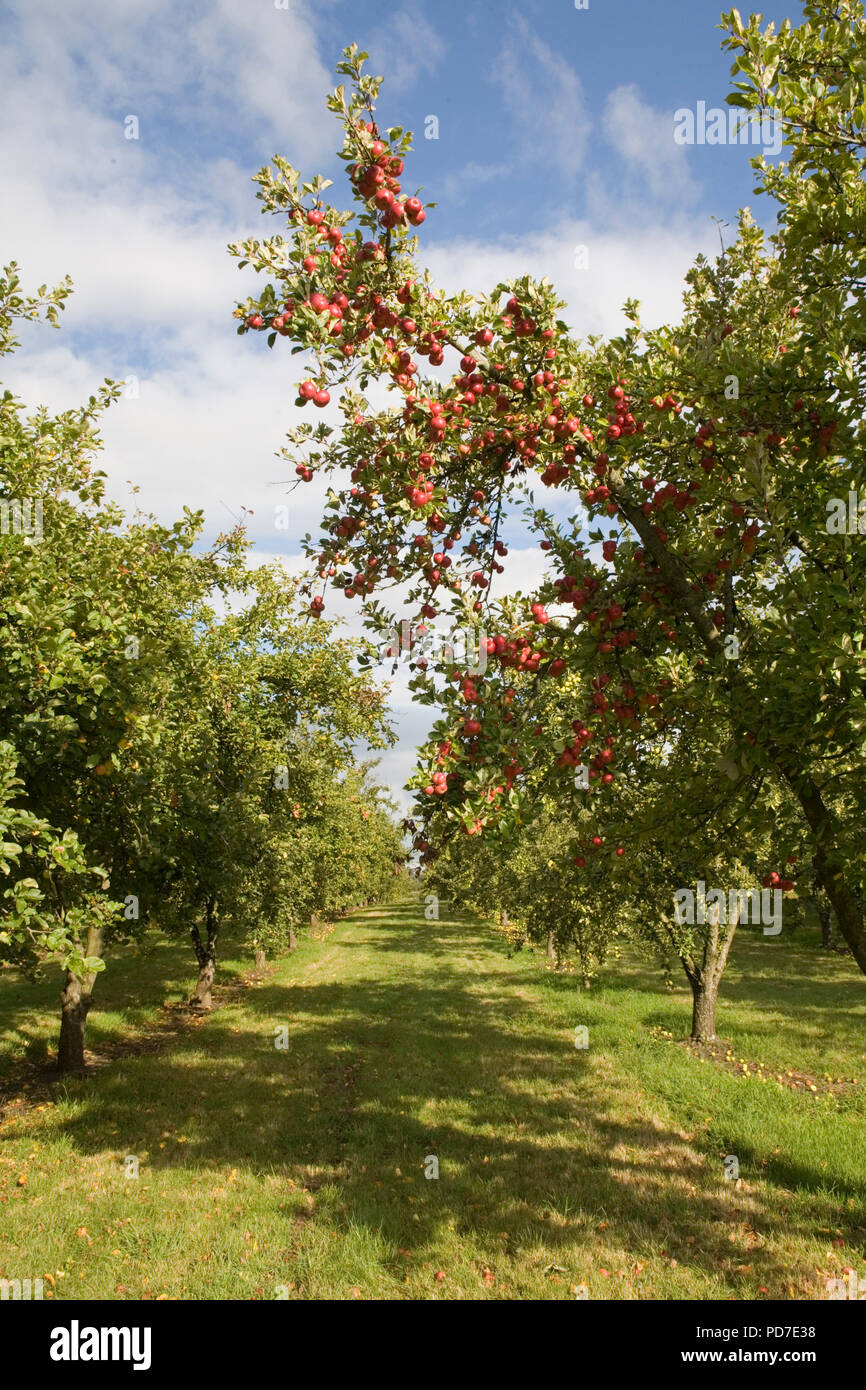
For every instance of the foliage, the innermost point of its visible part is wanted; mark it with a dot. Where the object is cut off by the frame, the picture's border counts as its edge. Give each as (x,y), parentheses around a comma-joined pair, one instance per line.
(697,594)
(167,714)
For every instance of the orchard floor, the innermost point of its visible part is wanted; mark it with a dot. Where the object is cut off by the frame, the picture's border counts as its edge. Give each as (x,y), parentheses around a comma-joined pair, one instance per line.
(300,1171)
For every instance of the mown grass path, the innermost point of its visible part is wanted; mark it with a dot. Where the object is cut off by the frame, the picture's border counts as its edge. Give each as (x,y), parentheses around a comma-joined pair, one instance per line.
(301,1170)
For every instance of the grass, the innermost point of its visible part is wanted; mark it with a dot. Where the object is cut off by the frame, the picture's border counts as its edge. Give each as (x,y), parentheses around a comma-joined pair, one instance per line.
(301,1172)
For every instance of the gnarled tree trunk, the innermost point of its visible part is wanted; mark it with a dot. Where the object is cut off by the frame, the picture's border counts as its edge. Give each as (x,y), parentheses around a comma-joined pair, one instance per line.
(76,999)
(261,959)
(206,957)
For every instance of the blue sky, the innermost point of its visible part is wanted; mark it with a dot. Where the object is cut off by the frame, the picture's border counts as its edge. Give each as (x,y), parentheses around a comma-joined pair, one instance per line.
(555,130)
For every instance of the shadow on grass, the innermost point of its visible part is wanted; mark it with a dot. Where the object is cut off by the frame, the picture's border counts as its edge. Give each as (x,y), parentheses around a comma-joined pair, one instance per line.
(380,1073)
(796,979)
(129,997)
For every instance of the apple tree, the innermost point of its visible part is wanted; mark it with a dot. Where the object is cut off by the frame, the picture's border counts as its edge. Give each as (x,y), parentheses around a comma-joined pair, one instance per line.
(696,464)
(279,708)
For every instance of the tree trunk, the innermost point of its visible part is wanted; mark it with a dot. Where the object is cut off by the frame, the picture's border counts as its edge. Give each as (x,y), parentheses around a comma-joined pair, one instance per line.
(826,924)
(206,957)
(822,910)
(705,995)
(828,865)
(583,959)
(261,959)
(202,997)
(293,940)
(75,1001)
(551,947)
(706,977)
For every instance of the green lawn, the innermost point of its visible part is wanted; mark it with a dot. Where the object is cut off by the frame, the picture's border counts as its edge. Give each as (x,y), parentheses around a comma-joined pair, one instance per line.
(303,1169)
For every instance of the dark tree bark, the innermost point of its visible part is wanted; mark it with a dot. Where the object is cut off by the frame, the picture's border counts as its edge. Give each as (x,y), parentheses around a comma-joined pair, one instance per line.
(206,957)
(829,866)
(826,923)
(822,911)
(76,999)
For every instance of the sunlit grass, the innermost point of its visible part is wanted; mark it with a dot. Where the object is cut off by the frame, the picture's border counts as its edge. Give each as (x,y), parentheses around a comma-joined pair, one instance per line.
(301,1173)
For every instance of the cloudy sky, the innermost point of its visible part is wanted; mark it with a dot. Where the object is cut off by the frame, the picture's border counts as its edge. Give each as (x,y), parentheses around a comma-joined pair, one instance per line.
(554,130)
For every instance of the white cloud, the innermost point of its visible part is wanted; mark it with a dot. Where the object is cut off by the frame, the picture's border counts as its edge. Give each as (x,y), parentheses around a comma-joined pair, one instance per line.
(545,97)
(647,263)
(643,139)
(213,63)
(405,48)
(140,226)
(204,437)
(268,56)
